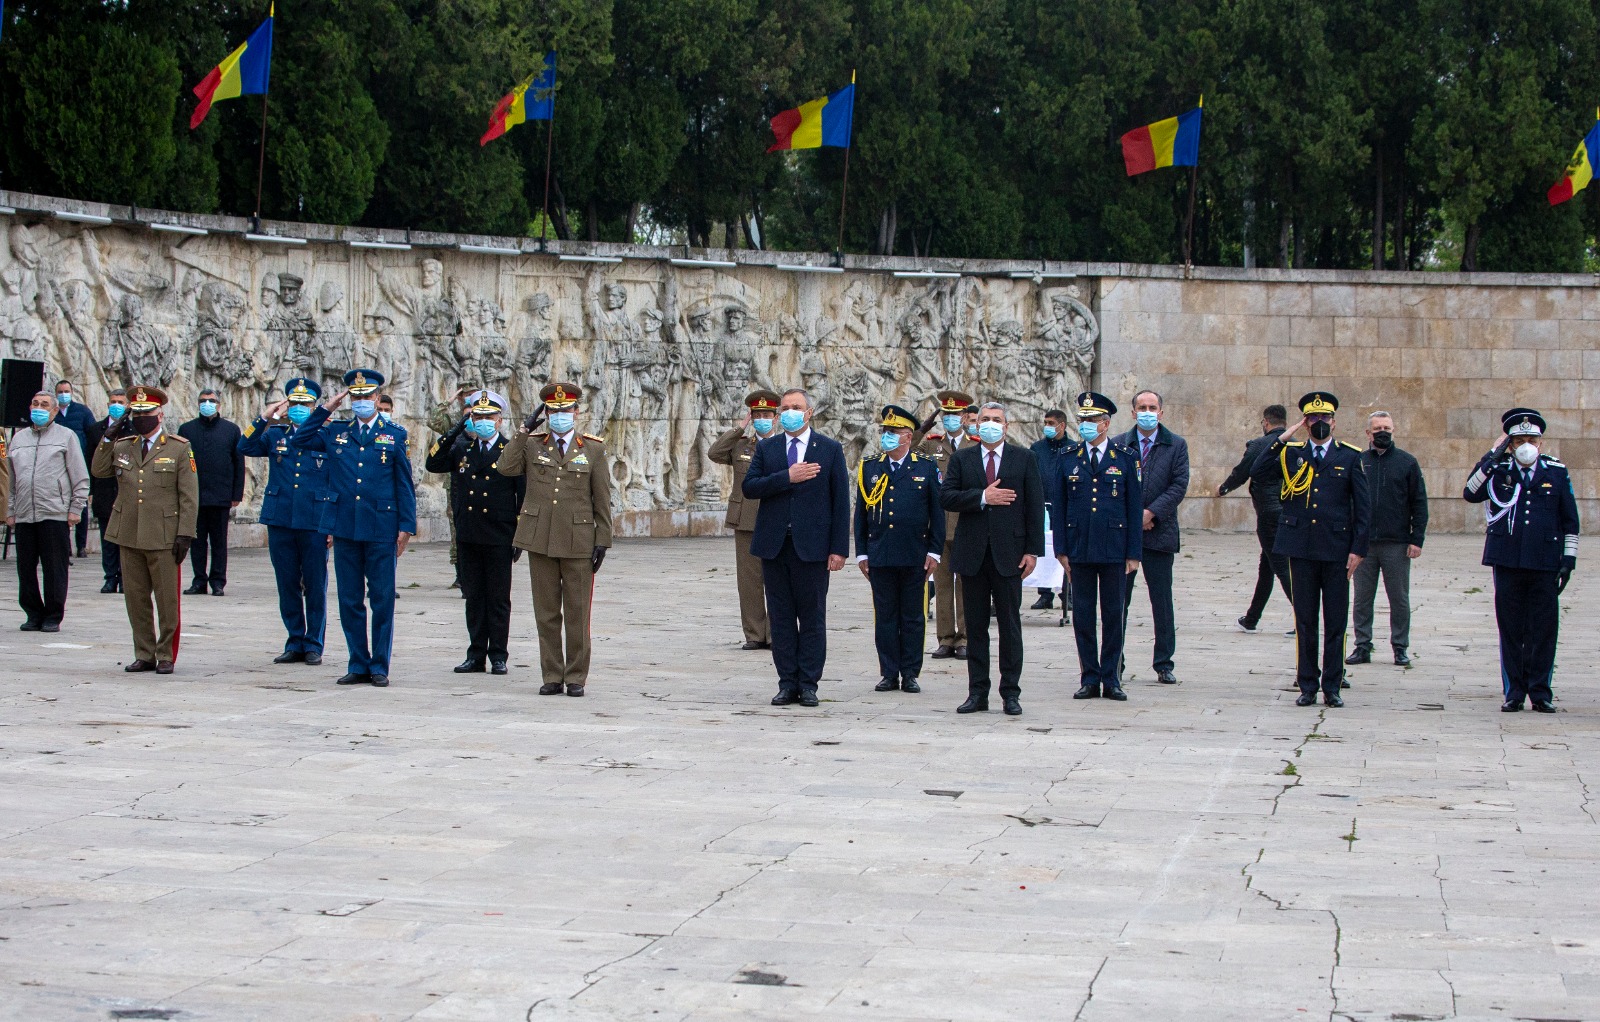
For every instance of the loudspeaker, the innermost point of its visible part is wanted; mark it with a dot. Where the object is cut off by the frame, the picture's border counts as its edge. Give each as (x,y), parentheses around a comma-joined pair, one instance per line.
(20,379)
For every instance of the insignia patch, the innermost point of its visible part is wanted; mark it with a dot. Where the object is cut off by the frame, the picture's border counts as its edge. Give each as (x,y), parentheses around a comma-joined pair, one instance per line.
(164,461)
(342,438)
(191,463)
(383,438)
(582,459)
(250,430)
(1113,471)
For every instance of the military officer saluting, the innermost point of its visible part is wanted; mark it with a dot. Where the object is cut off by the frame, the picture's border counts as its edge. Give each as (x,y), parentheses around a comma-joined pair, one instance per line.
(735,448)
(297,490)
(565,527)
(484,505)
(899,529)
(1099,538)
(152,522)
(371,512)
(1327,516)
(937,441)
(1532,545)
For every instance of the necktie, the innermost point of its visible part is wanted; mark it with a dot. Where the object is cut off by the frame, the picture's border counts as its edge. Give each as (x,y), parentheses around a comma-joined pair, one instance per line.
(894,466)
(1527,476)
(561,448)
(1317,456)
(147,448)
(362,432)
(1145,455)
(1094,459)
(992,471)
(794,449)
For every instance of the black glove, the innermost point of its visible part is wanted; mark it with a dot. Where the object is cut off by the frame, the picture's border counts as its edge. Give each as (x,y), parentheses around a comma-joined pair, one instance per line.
(180,549)
(597,558)
(1567,564)
(532,422)
(516,554)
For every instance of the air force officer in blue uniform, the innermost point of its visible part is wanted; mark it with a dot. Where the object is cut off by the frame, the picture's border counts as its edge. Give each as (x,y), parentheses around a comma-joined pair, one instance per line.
(297,491)
(802,533)
(1532,545)
(371,512)
(899,536)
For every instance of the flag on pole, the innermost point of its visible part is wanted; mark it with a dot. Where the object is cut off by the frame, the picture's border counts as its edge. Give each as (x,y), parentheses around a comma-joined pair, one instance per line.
(243,73)
(515,108)
(1174,142)
(1580,169)
(821,122)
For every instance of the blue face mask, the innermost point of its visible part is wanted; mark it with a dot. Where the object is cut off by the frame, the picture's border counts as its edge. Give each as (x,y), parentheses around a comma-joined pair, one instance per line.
(208,408)
(972,429)
(1049,432)
(1147,421)
(117,411)
(890,442)
(485,428)
(792,420)
(363,408)
(1089,431)
(562,422)
(990,432)
(40,417)
(761,426)
(951,424)
(299,413)
(63,399)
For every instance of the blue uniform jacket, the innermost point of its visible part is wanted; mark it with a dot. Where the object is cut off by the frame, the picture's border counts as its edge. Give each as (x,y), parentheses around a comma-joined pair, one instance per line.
(1102,513)
(909,524)
(371,496)
(815,513)
(1533,525)
(297,480)
(1327,513)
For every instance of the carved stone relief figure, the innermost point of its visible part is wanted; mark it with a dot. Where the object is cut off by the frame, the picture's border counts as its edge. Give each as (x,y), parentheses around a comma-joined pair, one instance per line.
(19,322)
(73,328)
(220,362)
(136,351)
(645,425)
(493,367)
(290,328)
(1068,334)
(391,355)
(335,343)
(535,344)
(436,322)
(611,337)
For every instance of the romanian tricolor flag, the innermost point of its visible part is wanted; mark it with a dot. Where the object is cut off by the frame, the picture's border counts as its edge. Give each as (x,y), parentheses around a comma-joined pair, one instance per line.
(1174,142)
(514,108)
(1580,169)
(821,122)
(243,73)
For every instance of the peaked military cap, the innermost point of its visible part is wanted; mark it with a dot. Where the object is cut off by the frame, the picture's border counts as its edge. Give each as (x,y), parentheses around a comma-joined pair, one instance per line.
(1319,402)
(895,417)
(1522,422)
(302,390)
(1091,404)
(559,395)
(363,381)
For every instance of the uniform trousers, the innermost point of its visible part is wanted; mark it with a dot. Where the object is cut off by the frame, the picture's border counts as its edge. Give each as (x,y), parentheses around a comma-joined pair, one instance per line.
(1099,664)
(1391,559)
(900,624)
(110,561)
(150,584)
(43,547)
(1004,592)
(300,564)
(1157,565)
(1270,566)
(210,537)
(485,573)
(949,610)
(365,572)
(752,598)
(797,610)
(1319,584)
(563,588)
(1529,615)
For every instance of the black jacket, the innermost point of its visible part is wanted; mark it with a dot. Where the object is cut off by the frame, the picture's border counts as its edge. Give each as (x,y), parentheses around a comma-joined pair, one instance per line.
(1006,532)
(483,502)
(214,443)
(102,492)
(1399,496)
(1265,483)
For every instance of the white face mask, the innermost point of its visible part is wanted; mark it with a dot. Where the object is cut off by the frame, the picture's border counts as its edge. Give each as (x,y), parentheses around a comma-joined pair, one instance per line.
(1526,455)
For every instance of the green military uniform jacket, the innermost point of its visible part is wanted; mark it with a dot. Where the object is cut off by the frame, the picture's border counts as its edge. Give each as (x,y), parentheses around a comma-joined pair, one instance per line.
(158,495)
(567,508)
(735,448)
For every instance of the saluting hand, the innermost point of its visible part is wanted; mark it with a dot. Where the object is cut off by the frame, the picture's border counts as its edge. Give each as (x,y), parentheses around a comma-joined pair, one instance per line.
(1297,427)
(336,400)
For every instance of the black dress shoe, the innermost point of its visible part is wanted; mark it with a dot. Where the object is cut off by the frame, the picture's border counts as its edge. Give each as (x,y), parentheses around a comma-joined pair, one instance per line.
(886,685)
(1044,602)
(943,653)
(471,665)
(1511,706)
(1245,626)
(217,590)
(29,625)
(50,626)
(974,705)
(1402,658)
(553,688)
(1543,706)
(1334,701)
(910,685)
(497,667)
(1167,678)
(1087,692)
(109,587)
(753,645)
(379,680)
(313,658)
(82,552)
(575,690)
(1344,682)
(1359,655)
(195,589)
(163,666)
(289,656)
(1115,692)
(353,679)
(134,667)
(1013,706)
(1306,699)
(807,699)
(961,653)
(784,699)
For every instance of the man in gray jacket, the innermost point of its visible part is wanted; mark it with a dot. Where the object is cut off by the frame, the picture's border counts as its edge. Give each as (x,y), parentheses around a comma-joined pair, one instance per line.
(1164,470)
(50,485)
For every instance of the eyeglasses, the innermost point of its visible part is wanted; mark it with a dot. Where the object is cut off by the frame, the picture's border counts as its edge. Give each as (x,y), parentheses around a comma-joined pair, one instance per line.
(1319,418)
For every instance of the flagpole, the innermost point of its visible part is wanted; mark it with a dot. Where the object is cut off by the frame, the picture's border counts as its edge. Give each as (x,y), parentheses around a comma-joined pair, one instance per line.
(549,147)
(844,190)
(1188,227)
(261,164)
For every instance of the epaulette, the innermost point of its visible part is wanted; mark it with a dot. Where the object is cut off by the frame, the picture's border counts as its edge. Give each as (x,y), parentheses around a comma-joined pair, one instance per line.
(1548,460)
(545,436)
(596,439)
(1353,447)
(175,438)
(1294,443)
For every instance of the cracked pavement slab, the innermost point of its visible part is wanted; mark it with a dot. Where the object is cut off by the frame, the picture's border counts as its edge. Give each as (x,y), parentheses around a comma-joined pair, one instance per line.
(239,839)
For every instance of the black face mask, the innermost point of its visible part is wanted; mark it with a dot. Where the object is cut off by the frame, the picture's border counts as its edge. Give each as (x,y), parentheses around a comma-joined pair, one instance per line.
(144,424)
(1320,431)
(1383,440)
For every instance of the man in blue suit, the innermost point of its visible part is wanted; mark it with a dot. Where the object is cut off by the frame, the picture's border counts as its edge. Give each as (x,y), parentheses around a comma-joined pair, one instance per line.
(371,512)
(802,533)
(899,537)
(297,491)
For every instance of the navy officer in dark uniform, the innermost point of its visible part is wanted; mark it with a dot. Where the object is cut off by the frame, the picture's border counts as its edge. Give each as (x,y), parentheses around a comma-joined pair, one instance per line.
(1326,520)
(1099,538)
(484,505)
(1532,545)
(899,529)
(297,485)
(371,512)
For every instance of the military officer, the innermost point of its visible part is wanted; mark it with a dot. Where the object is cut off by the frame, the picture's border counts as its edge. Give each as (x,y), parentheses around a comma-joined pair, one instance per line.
(937,441)
(1099,537)
(484,505)
(371,512)
(735,448)
(565,527)
(1324,529)
(152,522)
(1532,545)
(297,490)
(899,528)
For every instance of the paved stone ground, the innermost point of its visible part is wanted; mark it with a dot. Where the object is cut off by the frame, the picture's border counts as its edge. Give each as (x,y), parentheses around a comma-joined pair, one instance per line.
(243,841)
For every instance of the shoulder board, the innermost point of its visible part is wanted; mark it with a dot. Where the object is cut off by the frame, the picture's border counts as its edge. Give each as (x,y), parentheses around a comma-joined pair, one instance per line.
(177,439)
(542,436)
(912,455)
(1295,443)
(932,436)
(1353,447)
(1547,460)
(596,439)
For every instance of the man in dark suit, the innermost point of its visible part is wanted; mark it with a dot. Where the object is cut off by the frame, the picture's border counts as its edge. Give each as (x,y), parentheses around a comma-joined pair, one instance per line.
(1264,485)
(997,489)
(103,492)
(802,533)
(1164,482)
(1327,515)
